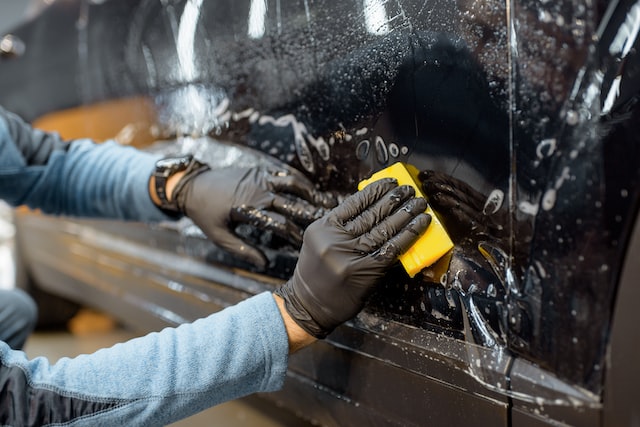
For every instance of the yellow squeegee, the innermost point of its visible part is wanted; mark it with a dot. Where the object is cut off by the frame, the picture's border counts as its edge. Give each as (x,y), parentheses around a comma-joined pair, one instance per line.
(435,242)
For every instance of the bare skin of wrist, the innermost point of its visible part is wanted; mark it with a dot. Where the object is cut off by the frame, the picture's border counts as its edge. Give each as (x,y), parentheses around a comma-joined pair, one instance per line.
(298,337)
(171,184)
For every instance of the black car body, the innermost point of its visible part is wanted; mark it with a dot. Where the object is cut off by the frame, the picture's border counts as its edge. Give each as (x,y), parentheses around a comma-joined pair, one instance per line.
(525,111)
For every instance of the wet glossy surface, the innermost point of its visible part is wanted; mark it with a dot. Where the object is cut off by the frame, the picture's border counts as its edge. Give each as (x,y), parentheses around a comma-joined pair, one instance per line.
(523,115)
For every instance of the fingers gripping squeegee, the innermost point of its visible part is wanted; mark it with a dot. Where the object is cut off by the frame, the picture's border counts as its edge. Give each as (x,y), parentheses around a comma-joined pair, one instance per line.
(435,242)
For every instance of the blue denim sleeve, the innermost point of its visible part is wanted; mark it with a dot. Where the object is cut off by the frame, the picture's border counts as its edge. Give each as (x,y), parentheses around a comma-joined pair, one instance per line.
(86,179)
(153,380)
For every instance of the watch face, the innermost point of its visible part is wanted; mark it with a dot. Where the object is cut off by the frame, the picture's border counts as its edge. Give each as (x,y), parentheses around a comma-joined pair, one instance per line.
(172,165)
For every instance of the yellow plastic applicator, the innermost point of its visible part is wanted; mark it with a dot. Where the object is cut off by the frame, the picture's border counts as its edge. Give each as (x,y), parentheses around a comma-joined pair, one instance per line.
(435,242)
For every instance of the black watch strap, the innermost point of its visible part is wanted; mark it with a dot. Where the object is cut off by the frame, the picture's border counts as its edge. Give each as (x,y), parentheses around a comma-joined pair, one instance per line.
(167,167)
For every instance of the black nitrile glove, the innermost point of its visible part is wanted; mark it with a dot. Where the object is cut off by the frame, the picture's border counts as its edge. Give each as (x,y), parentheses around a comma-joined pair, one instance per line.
(277,199)
(347,251)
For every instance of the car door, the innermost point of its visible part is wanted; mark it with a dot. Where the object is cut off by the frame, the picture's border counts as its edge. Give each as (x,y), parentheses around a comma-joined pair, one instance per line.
(500,104)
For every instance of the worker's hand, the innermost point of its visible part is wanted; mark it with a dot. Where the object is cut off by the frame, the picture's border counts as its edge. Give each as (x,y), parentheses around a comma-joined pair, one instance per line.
(278,199)
(348,250)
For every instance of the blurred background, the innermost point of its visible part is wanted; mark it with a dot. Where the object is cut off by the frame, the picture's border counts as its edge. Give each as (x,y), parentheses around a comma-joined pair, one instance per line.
(12,12)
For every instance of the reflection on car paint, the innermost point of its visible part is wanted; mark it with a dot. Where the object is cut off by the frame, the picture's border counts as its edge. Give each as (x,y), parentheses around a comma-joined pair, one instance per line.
(217,116)
(492,293)
(513,105)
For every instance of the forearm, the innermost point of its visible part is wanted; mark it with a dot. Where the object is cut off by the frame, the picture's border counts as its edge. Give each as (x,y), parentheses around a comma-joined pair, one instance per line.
(29,146)
(156,379)
(298,337)
(78,178)
(106,180)
(171,184)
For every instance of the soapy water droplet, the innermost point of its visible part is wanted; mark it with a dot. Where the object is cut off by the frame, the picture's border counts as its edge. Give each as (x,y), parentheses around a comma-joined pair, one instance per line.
(528,207)
(394,151)
(304,155)
(491,291)
(443,279)
(362,150)
(549,199)
(546,148)
(493,202)
(382,154)
(450,300)
(572,118)
(321,147)
(544,16)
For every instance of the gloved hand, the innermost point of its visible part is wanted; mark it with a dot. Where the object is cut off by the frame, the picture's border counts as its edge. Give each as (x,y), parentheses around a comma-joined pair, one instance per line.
(272,198)
(348,250)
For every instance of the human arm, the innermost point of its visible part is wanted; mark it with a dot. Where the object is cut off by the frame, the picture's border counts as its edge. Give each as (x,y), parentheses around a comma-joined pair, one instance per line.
(297,337)
(156,379)
(269,197)
(243,349)
(347,251)
(344,255)
(81,178)
(78,178)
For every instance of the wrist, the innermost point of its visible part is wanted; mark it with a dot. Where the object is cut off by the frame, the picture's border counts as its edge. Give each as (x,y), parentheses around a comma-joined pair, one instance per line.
(170,185)
(169,177)
(298,337)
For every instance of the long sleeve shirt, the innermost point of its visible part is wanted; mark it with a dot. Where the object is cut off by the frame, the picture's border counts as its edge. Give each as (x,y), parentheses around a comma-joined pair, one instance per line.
(153,380)
(78,178)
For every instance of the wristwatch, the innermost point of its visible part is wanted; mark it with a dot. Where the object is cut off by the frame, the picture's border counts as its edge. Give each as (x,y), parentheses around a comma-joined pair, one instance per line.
(165,168)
